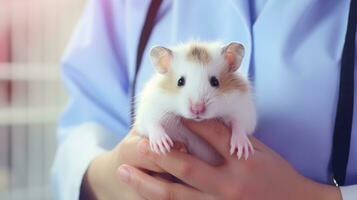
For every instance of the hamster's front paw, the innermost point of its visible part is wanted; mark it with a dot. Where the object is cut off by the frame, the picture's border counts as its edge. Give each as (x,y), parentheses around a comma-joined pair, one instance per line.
(160,142)
(241,143)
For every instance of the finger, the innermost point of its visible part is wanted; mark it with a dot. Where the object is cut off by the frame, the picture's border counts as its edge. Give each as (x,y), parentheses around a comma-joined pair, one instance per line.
(145,185)
(154,188)
(130,152)
(189,169)
(214,132)
(182,192)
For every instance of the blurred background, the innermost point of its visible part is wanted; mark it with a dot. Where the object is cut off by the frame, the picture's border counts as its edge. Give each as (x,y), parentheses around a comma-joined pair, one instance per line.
(33,35)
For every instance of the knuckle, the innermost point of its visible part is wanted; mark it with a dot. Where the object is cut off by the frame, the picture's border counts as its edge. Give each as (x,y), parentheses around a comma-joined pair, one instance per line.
(124,148)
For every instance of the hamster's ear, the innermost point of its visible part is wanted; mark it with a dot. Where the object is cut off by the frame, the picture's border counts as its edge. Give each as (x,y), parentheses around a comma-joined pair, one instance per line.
(233,54)
(161,58)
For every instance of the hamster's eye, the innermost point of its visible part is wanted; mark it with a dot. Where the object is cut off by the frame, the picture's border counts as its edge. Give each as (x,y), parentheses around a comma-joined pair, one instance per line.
(214,81)
(181,81)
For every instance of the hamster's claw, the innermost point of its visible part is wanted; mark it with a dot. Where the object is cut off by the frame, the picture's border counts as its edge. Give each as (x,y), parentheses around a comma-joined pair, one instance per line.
(161,144)
(242,144)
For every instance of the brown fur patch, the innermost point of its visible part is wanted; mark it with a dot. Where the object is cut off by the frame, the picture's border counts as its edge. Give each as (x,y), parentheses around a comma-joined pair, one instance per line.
(198,54)
(168,83)
(230,81)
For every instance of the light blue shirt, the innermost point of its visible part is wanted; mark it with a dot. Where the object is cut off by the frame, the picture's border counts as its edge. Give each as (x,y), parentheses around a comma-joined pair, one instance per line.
(293,54)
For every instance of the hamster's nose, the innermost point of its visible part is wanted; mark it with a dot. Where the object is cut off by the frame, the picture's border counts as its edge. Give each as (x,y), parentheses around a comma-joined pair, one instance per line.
(197,108)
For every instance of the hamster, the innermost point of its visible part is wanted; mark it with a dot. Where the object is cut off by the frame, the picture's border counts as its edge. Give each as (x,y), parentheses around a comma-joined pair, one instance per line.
(197,81)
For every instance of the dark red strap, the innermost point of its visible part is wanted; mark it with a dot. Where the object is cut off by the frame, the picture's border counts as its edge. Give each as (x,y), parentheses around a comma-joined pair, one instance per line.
(144,37)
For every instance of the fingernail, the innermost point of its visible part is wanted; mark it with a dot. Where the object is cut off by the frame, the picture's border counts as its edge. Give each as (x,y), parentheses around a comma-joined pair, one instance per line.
(124,174)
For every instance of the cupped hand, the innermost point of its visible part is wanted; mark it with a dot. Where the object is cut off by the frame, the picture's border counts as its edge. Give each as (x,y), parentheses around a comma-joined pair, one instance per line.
(101,182)
(265,175)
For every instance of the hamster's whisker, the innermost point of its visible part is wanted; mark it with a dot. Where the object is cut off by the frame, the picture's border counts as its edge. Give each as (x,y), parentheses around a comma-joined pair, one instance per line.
(211,101)
(211,98)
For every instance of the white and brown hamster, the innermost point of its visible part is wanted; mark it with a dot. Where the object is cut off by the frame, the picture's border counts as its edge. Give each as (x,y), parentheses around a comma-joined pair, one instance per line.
(197,81)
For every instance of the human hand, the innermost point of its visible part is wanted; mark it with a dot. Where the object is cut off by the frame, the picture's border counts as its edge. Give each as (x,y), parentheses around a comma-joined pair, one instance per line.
(265,175)
(101,182)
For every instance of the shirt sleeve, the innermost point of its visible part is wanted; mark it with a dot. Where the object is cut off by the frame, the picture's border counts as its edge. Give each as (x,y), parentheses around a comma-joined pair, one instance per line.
(95,76)
(349,192)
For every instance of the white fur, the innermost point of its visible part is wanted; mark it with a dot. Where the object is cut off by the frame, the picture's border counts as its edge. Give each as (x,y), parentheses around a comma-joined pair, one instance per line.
(158,112)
